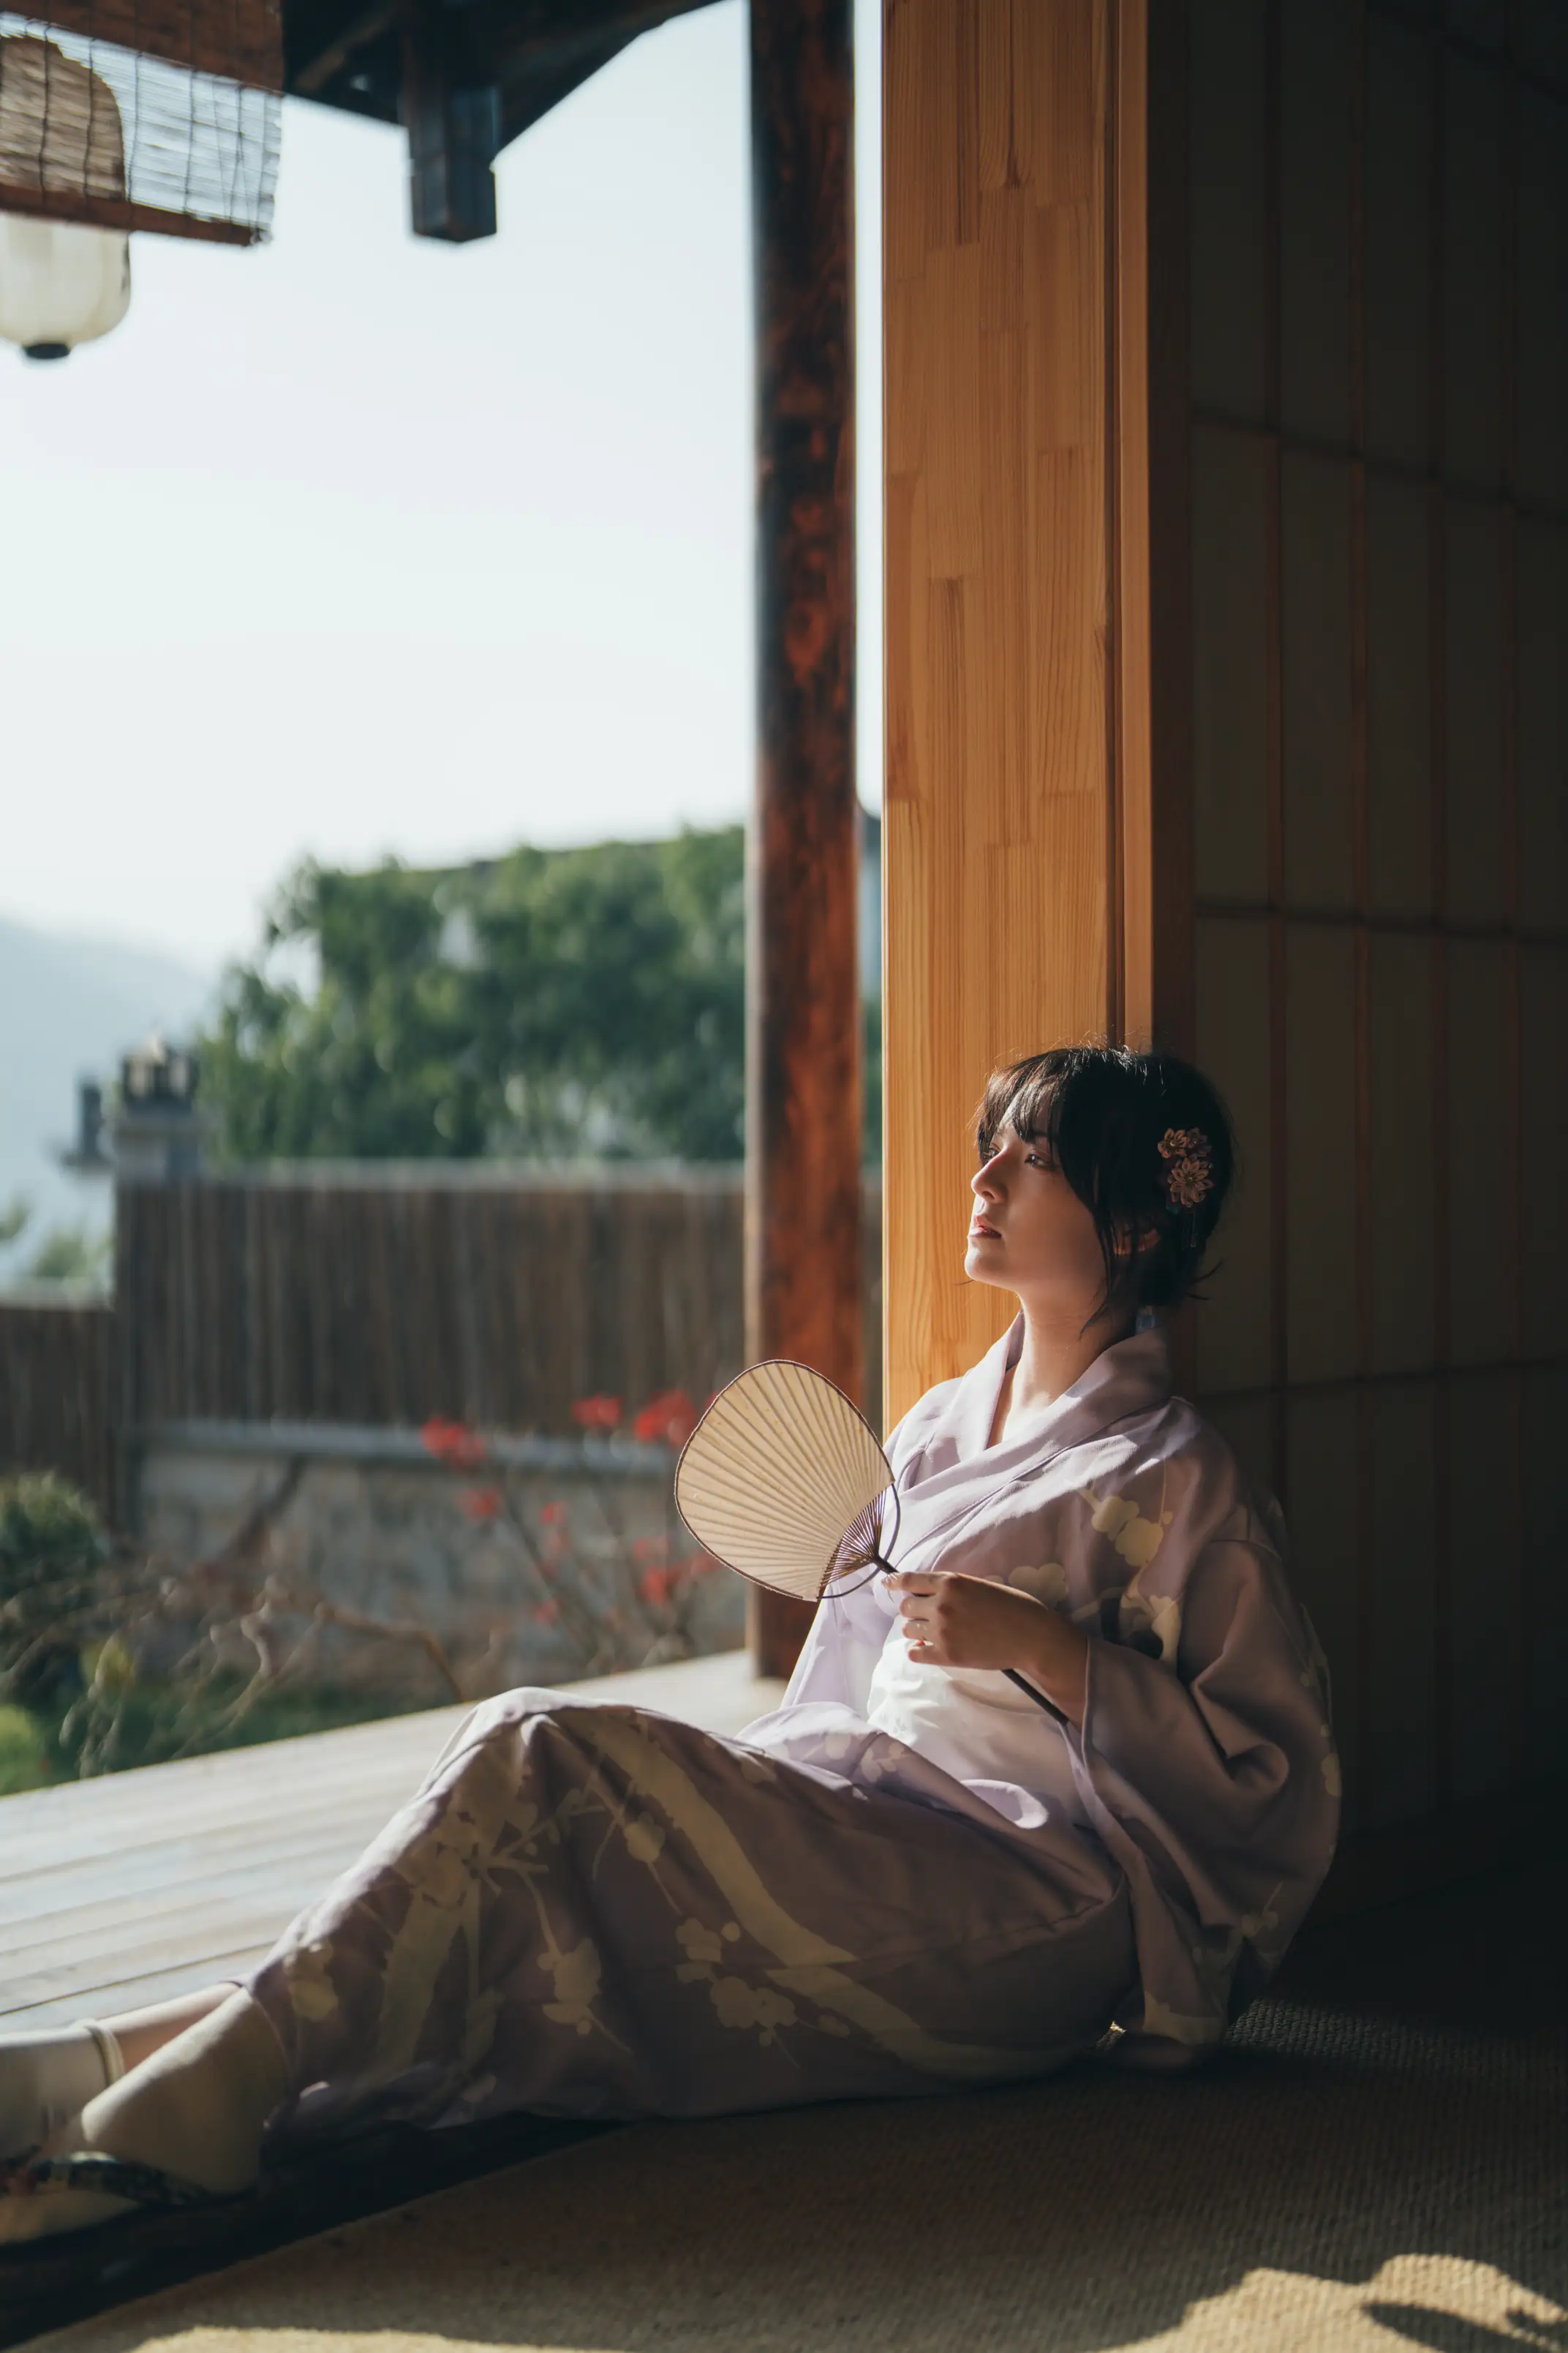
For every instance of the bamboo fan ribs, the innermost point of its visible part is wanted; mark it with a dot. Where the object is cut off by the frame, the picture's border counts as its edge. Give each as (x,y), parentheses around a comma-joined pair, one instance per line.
(784,1480)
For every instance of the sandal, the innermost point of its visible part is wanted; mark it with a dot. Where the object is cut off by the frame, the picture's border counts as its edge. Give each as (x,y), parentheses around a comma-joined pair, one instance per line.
(44,2196)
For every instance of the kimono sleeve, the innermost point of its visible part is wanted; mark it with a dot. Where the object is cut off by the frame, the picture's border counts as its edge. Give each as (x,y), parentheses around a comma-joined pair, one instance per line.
(848,1631)
(1213,1782)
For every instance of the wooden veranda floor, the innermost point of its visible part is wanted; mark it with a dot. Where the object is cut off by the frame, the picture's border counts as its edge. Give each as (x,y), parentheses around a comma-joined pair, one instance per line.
(142,1885)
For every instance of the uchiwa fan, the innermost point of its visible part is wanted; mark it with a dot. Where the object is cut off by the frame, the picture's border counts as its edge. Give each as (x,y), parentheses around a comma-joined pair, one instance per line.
(784,1480)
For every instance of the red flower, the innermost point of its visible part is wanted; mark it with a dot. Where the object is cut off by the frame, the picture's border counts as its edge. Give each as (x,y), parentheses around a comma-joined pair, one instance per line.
(482,1503)
(654,1587)
(667,1420)
(597,1412)
(451,1441)
(552,1515)
(547,1612)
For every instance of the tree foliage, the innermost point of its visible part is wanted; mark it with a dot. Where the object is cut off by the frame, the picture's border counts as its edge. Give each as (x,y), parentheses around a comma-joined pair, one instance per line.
(548,1004)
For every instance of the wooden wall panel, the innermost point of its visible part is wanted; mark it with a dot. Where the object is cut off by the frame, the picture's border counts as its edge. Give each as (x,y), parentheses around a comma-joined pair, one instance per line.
(1541,38)
(1398,241)
(1401,1190)
(1543,1129)
(1250,1428)
(1542,727)
(1472,271)
(998,804)
(1545,1416)
(1230,706)
(1473,677)
(1400,1775)
(1351,426)
(1399,699)
(1321,1129)
(1481,1173)
(1488,1743)
(1321,1439)
(1314,218)
(1235,1334)
(1541,393)
(1229,244)
(1315,602)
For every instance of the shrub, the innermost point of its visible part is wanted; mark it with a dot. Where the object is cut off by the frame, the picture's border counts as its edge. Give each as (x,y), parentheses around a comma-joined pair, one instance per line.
(52,1549)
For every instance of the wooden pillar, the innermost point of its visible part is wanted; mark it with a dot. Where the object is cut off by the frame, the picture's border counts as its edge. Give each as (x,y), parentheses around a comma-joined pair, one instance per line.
(803,1141)
(451,111)
(1022,886)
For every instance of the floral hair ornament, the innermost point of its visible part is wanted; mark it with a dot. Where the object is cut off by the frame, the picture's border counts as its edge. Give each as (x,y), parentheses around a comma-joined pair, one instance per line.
(1188,1174)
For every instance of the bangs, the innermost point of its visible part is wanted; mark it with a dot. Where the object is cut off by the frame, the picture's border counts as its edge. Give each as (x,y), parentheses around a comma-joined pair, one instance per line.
(1028,1097)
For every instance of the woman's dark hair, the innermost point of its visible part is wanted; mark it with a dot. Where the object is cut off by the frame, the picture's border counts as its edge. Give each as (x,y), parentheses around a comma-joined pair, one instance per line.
(1144,1142)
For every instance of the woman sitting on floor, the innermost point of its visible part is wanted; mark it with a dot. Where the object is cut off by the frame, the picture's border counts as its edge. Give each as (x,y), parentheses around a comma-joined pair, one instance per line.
(910,1875)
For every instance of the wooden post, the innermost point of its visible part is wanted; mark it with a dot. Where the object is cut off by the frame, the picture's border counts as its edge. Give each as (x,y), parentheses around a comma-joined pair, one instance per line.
(803,1138)
(451,111)
(1017,874)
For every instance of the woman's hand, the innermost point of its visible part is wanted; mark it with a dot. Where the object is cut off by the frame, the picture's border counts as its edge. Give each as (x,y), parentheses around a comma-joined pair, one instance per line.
(974,1622)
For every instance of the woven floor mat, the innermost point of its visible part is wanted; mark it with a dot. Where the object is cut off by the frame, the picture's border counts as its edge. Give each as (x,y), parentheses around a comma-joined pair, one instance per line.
(1377,2160)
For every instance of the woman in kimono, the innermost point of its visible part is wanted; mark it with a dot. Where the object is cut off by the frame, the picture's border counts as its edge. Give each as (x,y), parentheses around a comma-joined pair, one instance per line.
(912,1874)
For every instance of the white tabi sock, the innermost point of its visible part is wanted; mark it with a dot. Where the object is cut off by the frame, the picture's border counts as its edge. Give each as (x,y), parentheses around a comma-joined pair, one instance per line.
(196,2109)
(47,2077)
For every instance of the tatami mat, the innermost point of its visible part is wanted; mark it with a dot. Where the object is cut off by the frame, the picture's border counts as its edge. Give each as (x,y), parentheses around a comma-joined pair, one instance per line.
(1378,2159)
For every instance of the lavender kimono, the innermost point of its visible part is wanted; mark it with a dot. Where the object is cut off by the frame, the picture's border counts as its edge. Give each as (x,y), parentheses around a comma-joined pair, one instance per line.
(590,1909)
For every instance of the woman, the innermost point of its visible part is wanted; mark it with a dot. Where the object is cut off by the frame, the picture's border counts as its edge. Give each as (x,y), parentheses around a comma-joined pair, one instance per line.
(912,1874)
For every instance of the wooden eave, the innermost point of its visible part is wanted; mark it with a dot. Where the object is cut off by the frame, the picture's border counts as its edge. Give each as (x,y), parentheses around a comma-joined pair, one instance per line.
(348,54)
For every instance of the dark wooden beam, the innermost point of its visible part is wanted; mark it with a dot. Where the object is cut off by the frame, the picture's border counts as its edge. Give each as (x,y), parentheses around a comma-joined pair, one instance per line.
(451,111)
(802,1142)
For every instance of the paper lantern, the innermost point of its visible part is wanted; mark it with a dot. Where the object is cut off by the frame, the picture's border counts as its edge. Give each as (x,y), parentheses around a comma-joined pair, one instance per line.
(61,282)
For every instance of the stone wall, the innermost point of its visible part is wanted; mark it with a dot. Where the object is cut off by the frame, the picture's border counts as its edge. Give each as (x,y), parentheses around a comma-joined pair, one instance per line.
(502,1564)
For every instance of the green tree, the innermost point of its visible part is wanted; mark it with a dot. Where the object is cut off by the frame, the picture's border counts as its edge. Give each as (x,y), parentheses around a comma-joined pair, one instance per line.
(550,1003)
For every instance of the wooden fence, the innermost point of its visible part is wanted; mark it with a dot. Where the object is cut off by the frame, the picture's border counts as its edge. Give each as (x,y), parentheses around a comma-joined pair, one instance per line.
(56,1394)
(343,1298)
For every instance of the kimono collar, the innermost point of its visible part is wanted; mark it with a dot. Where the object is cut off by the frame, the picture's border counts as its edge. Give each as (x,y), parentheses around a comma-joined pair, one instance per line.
(1133,1375)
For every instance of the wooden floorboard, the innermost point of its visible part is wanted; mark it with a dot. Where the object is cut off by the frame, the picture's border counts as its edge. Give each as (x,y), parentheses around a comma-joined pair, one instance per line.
(142,1885)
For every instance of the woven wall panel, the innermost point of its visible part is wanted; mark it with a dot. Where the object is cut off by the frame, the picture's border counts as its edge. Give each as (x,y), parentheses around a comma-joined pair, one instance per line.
(1314,219)
(1316,681)
(1399,699)
(1230,718)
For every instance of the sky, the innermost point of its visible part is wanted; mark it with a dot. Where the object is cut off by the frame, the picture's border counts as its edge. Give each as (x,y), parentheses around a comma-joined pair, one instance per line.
(355,544)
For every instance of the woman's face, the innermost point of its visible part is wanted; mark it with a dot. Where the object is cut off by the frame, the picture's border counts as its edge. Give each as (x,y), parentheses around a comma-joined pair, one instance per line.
(1029,1232)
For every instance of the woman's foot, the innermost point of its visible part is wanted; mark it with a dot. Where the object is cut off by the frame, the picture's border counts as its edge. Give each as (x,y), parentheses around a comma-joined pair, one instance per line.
(47,2080)
(182,2130)
(196,2109)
